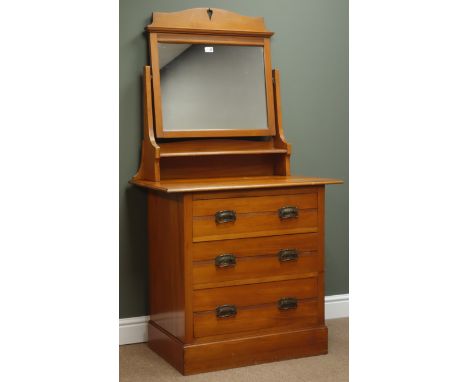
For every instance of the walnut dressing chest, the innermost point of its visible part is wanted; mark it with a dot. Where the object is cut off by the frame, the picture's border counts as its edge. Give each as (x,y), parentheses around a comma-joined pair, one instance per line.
(236,244)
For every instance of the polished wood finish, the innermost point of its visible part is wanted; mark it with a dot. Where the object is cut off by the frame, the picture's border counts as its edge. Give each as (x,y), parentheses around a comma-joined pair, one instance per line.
(255,246)
(254,204)
(194,38)
(150,151)
(254,294)
(186,231)
(244,193)
(156,80)
(166,345)
(280,276)
(256,318)
(225,184)
(186,158)
(215,133)
(209,167)
(252,350)
(191,178)
(222,22)
(283,163)
(321,243)
(254,269)
(218,147)
(221,27)
(186,38)
(269,87)
(266,223)
(256,216)
(166,263)
(186,286)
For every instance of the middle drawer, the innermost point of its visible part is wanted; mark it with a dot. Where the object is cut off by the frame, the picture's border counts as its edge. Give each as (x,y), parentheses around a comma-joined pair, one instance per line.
(243,261)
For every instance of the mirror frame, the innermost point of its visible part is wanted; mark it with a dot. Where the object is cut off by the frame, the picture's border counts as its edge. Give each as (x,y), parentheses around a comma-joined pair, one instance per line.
(197,26)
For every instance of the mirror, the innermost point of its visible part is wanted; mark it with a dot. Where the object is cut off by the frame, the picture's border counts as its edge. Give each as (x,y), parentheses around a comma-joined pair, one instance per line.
(212,87)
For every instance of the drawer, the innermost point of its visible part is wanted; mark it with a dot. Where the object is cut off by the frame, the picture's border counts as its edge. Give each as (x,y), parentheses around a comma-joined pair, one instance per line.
(254,294)
(218,219)
(255,269)
(255,246)
(255,260)
(259,317)
(254,203)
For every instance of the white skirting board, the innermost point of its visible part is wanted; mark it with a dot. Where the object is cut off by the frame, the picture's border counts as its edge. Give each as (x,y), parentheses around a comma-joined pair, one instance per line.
(133,330)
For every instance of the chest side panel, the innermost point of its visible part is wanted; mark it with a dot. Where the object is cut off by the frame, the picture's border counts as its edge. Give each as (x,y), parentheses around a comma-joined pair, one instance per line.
(166,263)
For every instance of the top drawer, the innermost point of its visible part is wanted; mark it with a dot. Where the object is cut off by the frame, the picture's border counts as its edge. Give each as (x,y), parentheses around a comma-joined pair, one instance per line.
(231,218)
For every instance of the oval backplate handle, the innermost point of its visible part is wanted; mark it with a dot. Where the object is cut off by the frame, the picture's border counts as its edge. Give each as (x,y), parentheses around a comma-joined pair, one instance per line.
(288,254)
(226,216)
(226,311)
(225,260)
(288,212)
(287,303)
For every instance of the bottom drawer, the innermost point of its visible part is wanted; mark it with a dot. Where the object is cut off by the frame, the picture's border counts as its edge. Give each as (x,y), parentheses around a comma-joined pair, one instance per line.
(255,294)
(273,315)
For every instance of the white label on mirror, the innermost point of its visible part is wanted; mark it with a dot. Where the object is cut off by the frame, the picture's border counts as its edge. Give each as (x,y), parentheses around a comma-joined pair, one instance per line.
(208,49)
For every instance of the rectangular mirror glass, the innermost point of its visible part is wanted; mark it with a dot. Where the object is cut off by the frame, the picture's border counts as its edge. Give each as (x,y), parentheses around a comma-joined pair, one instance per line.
(212,87)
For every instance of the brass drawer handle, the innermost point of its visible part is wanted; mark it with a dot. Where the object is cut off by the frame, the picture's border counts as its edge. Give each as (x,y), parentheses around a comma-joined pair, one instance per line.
(225,260)
(226,311)
(288,255)
(288,212)
(225,216)
(287,303)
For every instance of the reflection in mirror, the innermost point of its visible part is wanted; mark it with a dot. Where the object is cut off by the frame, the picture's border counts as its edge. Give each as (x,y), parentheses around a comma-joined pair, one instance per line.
(212,87)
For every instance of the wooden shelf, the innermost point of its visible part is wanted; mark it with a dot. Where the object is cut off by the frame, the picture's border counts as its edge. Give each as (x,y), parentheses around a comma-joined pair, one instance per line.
(218,147)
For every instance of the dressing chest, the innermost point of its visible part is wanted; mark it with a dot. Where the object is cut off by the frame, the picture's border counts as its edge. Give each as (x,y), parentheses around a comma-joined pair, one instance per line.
(236,244)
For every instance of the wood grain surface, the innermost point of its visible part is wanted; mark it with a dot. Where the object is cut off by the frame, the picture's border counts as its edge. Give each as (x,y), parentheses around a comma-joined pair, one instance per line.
(234,183)
(254,294)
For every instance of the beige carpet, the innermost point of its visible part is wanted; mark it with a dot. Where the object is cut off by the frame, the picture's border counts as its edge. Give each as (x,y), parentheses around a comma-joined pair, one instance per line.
(139,364)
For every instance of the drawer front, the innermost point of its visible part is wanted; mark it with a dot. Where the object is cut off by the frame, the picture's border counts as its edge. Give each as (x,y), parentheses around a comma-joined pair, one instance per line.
(259,317)
(208,250)
(218,219)
(254,204)
(252,225)
(254,294)
(255,269)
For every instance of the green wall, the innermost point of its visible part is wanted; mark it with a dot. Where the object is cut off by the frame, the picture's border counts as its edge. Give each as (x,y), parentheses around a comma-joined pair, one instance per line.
(310,47)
